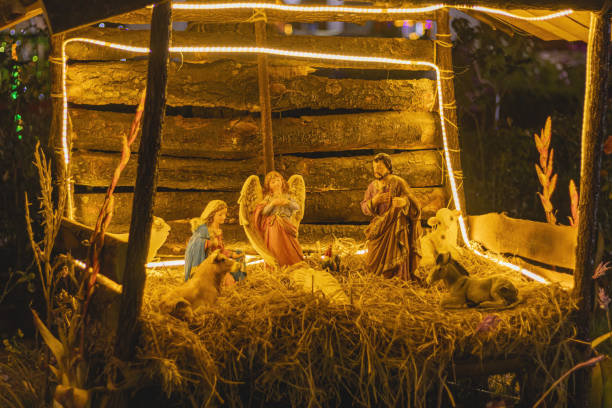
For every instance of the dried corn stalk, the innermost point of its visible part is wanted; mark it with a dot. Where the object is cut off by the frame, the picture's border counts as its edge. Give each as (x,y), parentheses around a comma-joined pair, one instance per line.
(544,170)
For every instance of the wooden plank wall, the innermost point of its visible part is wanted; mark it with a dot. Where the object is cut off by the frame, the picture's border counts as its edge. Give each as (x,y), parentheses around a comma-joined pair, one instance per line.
(326,125)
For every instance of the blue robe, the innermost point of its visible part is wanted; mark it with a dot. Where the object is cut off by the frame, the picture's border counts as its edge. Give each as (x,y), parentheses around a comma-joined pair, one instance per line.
(195,253)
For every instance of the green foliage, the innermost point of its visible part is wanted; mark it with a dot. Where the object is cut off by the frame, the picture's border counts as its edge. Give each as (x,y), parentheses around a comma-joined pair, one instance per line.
(506,87)
(25,113)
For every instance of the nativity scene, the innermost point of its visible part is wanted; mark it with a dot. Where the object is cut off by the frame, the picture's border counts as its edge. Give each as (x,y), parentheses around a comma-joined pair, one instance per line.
(317,248)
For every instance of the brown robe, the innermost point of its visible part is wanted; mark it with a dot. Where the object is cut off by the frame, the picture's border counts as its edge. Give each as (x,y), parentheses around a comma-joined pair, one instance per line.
(393,234)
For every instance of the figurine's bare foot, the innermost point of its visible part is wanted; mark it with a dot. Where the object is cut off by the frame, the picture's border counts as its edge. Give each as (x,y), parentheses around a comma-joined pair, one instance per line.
(228,281)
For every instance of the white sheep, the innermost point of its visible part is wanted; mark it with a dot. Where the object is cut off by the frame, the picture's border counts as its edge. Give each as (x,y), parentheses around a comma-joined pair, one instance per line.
(159,233)
(442,238)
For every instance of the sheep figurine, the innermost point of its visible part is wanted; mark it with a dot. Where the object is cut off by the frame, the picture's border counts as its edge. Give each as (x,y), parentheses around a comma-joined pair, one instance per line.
(442,238)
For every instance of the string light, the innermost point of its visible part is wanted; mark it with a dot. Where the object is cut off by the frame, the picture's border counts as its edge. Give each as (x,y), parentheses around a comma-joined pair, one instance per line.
(177,262)
(79,263)
(304,9)
(358,10)
(181,262)
(489,10)
(308,55)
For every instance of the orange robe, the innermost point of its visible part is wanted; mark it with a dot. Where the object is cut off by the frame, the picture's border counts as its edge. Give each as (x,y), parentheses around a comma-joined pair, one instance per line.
(279,235)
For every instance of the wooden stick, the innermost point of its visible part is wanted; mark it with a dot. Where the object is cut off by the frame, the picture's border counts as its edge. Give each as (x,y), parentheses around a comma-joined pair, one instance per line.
(263,80)
(444,60)
(146,182)
(60,170)
(590,165)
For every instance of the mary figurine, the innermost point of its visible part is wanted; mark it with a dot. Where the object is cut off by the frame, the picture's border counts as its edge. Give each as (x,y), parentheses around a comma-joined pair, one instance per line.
(208,237)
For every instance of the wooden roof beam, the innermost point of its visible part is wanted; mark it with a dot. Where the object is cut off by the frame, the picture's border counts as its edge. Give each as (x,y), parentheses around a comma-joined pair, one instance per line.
(143,16)
(30,11)
(590,5)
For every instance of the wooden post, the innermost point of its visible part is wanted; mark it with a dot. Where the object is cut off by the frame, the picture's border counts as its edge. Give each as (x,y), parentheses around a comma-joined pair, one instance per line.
(593,119)
(444,60)
(60,170)
(146,182)
(264,98)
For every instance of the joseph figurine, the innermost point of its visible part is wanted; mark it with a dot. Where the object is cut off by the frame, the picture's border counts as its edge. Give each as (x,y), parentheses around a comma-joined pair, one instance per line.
(394,231)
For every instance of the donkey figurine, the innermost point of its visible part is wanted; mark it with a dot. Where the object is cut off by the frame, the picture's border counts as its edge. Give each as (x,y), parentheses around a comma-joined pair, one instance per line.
(493,292)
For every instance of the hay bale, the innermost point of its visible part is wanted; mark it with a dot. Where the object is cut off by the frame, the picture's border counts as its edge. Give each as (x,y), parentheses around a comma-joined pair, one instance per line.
(265,342)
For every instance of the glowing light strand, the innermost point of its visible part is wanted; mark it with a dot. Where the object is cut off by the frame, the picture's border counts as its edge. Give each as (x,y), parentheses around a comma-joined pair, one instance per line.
(304,9)
(310,55)
(176,262)
(359,10)
(181,262)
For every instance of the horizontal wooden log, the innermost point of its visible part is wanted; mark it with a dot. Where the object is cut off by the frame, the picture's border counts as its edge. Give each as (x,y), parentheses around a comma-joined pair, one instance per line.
(63,15)
(95,169)
(321,207)
(401,48)
(344,206)
(565,280)
(538,241)
(238,138)
(419,168)
(233,85)
(72,238)
(234,237)
(143,16)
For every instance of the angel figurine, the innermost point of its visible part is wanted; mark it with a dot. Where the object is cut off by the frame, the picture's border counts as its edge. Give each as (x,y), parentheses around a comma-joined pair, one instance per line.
(271,217)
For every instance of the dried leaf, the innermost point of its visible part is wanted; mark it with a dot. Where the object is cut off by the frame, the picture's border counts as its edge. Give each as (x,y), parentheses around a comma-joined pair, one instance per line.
(546,204)
(549,164)
(541,177)
(552,185)
(600,339)
(52,342)
(601,270)
(546,135)
(544,159)
(538,142)
(573,192)
(607,148)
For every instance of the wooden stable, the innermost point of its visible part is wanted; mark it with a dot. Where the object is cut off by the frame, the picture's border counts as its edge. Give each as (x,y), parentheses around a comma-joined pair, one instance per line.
(324,128)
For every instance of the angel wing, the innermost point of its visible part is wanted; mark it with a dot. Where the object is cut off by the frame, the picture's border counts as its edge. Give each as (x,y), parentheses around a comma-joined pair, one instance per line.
(250,195)
(297,190)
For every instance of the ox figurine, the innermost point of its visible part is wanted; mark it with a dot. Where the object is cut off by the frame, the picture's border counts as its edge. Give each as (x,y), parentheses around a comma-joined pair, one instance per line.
(202,289)
(443,237)
(493,292)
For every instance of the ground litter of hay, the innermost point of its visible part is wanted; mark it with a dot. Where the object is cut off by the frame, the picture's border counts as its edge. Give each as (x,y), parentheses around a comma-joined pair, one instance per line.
(268,343)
